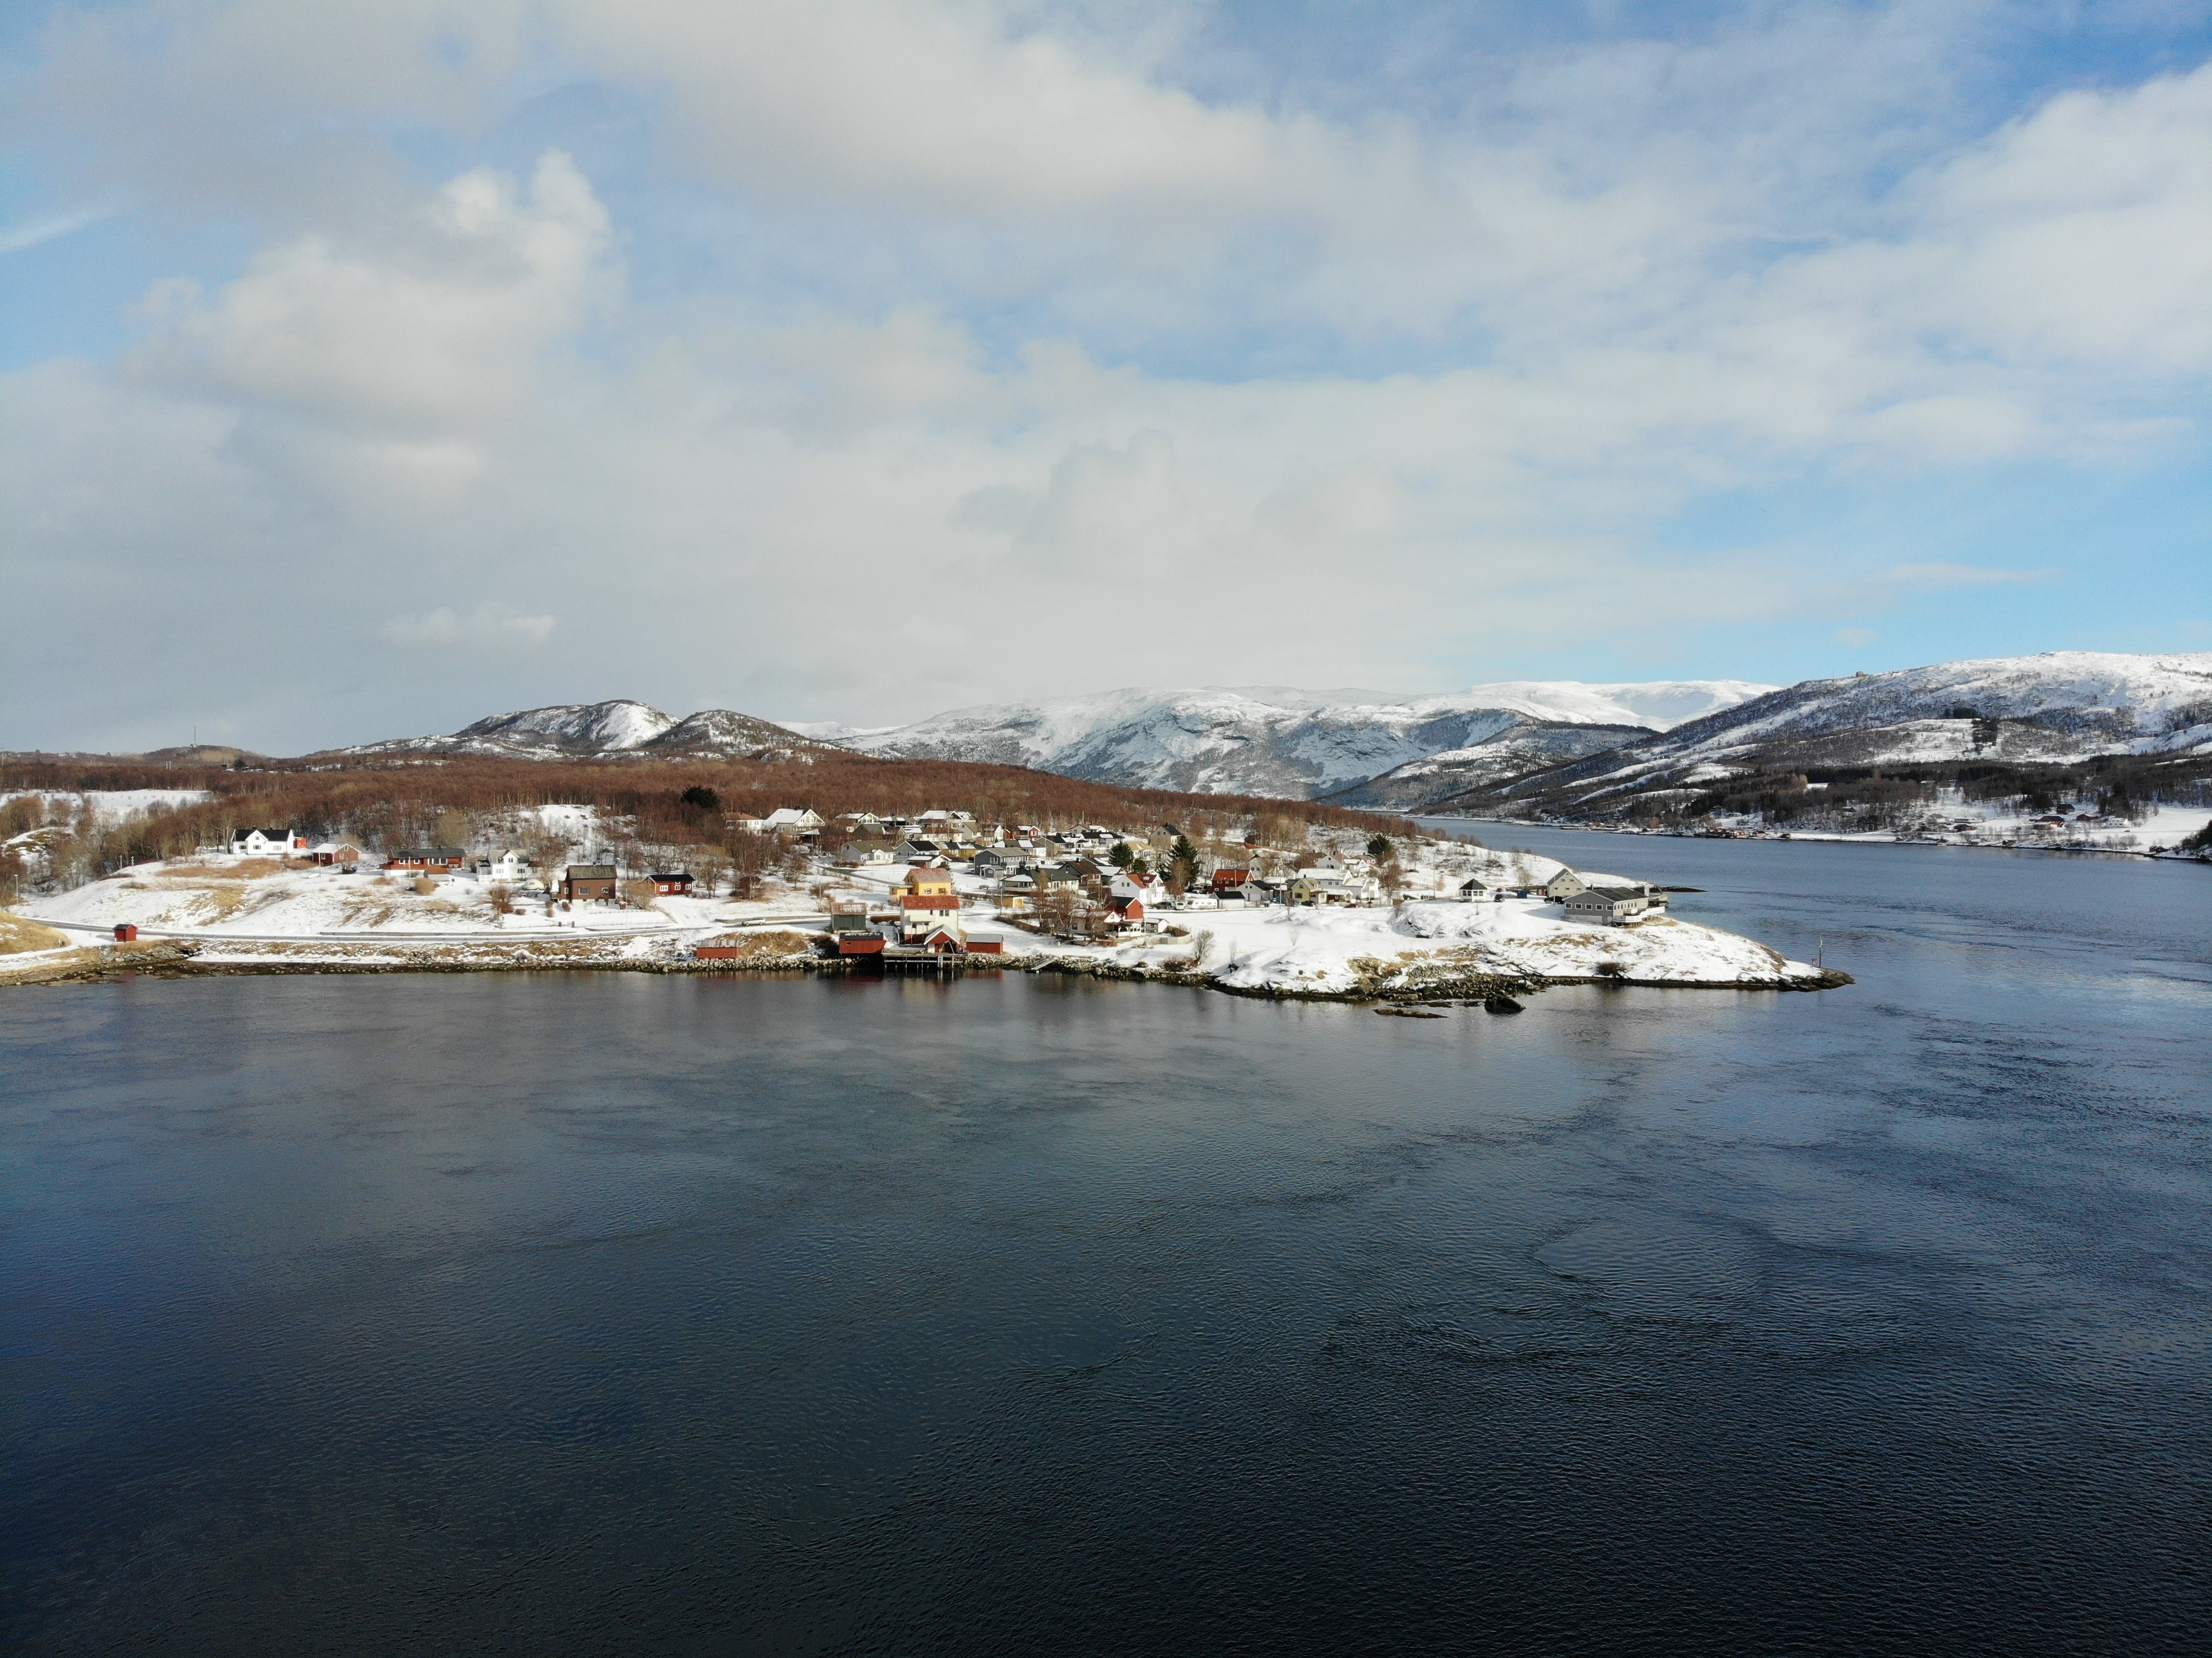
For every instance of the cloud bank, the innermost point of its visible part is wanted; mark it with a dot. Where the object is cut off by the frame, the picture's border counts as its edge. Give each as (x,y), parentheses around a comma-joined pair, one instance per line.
(1039,353)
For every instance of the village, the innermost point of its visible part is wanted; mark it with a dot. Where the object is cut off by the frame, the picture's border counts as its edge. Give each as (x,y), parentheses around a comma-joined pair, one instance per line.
(1283,907)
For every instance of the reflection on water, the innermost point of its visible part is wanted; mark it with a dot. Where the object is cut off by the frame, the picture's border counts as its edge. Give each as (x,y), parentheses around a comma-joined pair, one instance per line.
(639,1315)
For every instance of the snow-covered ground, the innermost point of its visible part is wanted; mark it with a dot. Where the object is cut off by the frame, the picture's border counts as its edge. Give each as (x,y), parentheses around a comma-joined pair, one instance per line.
(257,912)
(224,899)
(109,806)
(1331,951)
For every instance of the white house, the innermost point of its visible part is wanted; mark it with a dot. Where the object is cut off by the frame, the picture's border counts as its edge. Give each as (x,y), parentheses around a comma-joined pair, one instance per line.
(267,843)
(508,866)
(791,820)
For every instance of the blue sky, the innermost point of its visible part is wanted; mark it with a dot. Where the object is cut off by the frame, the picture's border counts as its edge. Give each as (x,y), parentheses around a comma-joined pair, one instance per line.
(373,366)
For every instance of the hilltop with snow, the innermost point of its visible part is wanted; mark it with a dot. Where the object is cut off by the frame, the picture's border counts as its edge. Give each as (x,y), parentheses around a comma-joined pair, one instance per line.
(617,729)
(2058,708)
(1278,740)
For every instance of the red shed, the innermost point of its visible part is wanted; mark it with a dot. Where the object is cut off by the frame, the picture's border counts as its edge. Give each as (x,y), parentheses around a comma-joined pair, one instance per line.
(125,933)
(860,943)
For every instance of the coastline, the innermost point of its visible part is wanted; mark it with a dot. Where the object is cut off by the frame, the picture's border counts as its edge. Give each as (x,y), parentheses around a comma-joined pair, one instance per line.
(1817,837)
(182,959)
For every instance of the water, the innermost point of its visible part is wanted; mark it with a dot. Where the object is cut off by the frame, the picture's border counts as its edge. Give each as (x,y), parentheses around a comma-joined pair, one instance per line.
(621,1314)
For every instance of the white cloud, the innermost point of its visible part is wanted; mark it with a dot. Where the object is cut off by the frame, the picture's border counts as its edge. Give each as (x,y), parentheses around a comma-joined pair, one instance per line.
(441,328)
(14,239)
(487,625)
(1075,344)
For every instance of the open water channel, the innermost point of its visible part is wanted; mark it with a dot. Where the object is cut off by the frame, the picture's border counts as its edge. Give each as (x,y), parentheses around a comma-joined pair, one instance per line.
(624,1313)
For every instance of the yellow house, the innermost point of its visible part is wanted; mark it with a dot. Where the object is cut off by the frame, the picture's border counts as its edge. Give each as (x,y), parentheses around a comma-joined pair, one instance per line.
(924,882)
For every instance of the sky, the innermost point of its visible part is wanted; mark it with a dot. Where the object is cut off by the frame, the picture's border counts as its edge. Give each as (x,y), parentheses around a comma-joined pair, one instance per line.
(367,369)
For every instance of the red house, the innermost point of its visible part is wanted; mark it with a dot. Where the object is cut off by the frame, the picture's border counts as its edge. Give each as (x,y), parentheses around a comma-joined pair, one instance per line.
(677,884)
(1225,880)
(428,858)
(1125,912)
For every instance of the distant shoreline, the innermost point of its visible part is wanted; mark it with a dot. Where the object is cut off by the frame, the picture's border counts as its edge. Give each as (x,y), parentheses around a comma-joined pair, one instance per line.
(1820,838)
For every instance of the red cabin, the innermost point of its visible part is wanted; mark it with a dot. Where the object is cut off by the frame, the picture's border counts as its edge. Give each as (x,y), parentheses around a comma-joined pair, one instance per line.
(125,933)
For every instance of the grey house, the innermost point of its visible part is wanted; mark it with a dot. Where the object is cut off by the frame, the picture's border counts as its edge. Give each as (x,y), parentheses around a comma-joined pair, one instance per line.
(1609,906)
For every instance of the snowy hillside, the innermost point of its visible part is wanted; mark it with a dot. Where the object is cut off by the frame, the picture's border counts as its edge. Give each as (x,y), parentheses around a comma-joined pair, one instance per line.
(1279,740)
(2108,702)
(617,728)
(1531,746)
(2059,706)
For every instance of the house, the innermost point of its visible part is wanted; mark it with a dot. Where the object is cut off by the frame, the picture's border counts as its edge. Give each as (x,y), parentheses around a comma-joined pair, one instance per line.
(987,946)
(588,881)
(1127,883)
(1125,912)
(987,862)
(728,947)
(267,842)
(926,880)
(916,850)
(1563,885)
(672,883)
(436,859)
(845,922)
(507,866)
(789,820)
(344,854)
(1228,878)
(944,941)
(1476,891)
(928,903)
(1609,906)
(1083,869)
(854,854)
(859,944)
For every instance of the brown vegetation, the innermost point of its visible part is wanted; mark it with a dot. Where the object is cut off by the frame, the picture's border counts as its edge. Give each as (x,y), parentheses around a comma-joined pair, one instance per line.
(18,934)
(383,804)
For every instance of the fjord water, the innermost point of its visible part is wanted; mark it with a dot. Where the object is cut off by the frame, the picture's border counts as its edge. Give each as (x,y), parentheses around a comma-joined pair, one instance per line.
(614,1313)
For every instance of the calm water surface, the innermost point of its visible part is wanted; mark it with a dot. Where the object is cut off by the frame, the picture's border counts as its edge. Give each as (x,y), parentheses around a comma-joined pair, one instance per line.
(625,1314)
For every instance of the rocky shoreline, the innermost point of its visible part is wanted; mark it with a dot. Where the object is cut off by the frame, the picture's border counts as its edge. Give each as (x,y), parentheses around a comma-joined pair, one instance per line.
(167,959)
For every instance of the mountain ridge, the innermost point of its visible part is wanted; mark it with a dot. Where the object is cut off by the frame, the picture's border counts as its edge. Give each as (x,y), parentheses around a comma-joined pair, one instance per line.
(1559,746)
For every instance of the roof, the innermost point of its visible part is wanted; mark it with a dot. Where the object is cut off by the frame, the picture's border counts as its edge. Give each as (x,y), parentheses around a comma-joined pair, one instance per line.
(930,901)
(590,871)
(671,875)
(1613,893)
(431,852)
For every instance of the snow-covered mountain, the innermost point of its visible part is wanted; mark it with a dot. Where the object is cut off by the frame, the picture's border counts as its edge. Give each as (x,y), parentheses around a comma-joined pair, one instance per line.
(2060,706)
(1276,740)
(1530,746)
(620,728)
